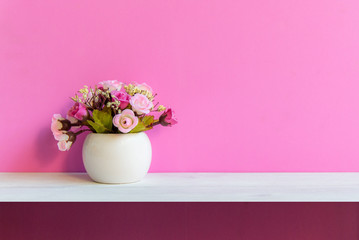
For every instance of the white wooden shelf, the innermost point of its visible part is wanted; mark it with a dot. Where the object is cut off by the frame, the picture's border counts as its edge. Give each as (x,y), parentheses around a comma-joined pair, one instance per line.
(183,187)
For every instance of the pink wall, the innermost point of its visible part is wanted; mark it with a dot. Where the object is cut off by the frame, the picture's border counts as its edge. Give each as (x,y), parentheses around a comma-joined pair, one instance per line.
(257,85)
(179,221)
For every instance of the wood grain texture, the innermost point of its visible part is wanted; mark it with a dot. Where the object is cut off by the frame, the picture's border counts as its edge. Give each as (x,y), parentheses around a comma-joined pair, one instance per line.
(183,187)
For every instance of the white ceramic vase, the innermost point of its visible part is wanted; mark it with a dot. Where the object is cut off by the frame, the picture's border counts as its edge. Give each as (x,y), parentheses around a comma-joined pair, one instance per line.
(117,158)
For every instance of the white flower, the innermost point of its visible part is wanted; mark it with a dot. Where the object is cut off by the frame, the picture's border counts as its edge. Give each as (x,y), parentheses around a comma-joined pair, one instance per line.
(64,145)
(62,137)
(56,125)
(111,85)
(144,86)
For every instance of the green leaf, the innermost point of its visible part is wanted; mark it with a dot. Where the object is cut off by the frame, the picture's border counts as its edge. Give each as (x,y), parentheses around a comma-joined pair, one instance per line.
(103,118)
(144,124)
(97,127)
(147,120)
(139,128)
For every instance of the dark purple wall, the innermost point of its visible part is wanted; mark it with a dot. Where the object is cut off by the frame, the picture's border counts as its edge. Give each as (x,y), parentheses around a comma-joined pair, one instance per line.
(177,221)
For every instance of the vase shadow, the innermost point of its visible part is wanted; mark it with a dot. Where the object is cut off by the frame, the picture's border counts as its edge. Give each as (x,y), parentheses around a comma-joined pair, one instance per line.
(46,148)
(73,161)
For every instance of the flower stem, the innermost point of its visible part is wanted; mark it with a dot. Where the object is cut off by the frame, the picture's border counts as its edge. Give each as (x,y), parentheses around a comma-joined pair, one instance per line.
(155,123)
(81,131)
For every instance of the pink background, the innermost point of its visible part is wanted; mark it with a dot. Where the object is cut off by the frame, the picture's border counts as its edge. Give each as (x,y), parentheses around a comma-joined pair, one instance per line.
(179,221)
(257,85)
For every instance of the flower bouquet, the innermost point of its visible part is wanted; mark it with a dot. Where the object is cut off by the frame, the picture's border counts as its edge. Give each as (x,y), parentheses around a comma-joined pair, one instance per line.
(113,112)
(110,107)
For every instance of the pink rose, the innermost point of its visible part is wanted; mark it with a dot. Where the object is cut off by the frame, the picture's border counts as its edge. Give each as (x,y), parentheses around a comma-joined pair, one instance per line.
(121,96)
(144,86)
(141,104)
(78,111)
(125,121)
(168,118)
(110,85)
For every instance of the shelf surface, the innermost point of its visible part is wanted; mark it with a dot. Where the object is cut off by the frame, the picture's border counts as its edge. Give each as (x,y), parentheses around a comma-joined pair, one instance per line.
(183,187)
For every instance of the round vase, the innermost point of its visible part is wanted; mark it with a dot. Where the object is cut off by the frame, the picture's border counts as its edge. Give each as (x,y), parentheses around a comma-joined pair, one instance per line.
(117,158)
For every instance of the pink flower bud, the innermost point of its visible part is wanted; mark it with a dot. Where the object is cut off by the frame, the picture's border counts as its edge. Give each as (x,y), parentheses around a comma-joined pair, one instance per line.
(168,118)
(78,111)
(65,141)
(59,125)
